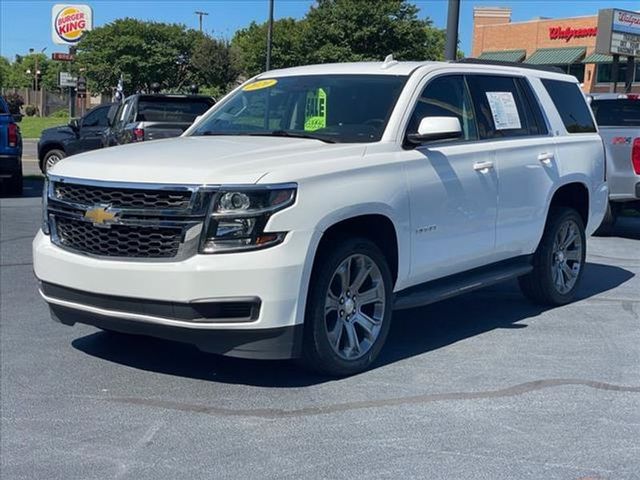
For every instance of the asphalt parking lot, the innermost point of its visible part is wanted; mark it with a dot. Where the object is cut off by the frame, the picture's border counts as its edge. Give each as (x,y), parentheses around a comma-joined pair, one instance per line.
(485,386)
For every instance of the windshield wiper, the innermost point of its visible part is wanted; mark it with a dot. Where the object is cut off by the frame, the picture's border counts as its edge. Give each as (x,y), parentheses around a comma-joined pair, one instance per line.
(271,133)
(286,133)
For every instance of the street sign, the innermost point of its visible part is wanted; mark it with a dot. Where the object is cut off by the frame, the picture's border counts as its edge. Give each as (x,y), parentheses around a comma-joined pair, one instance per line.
(618,33)
(63,57)
(65,79)
(81,86)
(70,22)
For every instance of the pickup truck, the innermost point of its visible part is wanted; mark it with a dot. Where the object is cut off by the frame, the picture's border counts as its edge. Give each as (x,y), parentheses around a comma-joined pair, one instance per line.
(10,150)
(80,135)
(618,118)
(153,116)
(297,214)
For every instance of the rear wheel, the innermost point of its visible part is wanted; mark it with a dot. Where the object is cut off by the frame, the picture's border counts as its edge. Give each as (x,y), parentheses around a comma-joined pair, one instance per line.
(558,262)
(51,158)
(348,308)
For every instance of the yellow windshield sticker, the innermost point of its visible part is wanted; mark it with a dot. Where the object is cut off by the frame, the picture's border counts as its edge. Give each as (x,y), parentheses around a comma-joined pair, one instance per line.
(315,112)
(259,85)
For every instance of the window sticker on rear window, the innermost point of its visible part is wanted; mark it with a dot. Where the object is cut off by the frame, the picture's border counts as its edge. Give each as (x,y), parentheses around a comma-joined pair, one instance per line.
(504,110)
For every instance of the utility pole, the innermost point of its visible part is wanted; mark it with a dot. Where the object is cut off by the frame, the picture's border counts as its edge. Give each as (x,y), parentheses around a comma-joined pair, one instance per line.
(269,35)
(200,15)
(453,20)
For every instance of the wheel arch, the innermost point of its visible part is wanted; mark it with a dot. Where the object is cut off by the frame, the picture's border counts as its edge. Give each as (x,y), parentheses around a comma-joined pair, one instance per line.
(46,148)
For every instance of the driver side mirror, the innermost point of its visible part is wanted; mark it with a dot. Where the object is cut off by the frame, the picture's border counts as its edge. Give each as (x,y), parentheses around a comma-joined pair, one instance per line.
(436,128)
(74,124)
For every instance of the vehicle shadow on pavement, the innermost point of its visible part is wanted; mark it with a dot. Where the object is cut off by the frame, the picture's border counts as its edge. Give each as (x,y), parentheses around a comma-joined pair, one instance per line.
(414,332)
(31,188)
(627,227)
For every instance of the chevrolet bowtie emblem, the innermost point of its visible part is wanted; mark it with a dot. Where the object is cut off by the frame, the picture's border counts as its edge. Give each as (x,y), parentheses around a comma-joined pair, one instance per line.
(100,216)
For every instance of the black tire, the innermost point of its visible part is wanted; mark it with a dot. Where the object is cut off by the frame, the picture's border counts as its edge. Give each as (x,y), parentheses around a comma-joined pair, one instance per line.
(60,154)
(609,220)
(15,185)
(318,354)
(538,286)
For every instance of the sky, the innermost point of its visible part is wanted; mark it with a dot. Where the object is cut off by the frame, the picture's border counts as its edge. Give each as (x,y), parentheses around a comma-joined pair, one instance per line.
(26,24)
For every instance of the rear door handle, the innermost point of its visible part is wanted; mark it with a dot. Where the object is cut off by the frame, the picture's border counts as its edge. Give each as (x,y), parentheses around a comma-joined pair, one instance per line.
(482,166)
(545,158)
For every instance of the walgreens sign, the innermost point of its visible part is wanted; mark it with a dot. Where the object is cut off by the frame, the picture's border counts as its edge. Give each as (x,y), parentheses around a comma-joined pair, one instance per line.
(569,33)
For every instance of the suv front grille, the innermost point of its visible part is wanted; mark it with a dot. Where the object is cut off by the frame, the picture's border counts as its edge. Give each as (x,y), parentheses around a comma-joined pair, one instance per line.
(118,240)
(122,198)
(138,221)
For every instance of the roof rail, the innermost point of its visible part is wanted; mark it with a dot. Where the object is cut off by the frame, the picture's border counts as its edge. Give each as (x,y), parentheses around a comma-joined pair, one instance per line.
(480,61)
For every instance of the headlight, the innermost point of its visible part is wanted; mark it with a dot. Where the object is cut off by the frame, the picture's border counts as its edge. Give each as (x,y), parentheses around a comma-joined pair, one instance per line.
(45,203)
(238,217)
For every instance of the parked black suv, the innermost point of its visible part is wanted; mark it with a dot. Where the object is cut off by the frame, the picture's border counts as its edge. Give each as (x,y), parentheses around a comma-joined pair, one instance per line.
(80,135)
(153,116)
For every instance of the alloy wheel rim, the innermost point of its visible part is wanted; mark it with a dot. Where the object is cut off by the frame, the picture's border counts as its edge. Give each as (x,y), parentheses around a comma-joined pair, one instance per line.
(52,160)
(567,257)
(354,307)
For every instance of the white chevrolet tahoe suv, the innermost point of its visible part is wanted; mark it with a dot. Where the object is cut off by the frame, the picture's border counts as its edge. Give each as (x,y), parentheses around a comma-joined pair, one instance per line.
(308,204)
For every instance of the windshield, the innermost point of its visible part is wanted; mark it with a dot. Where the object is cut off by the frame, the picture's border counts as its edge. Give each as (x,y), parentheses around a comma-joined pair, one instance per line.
(167,109)
(617,113)
(332,108)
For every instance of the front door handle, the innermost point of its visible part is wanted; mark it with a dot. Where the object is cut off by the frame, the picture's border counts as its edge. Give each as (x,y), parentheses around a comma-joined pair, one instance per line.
(482,166)
(545,158)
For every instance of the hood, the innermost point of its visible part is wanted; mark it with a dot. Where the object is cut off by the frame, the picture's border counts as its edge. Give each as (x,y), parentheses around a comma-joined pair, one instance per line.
(56,131)
(200,160)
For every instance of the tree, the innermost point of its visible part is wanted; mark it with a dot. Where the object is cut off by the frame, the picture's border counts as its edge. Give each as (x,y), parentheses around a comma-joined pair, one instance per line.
(288,46)
(14,75)
(143,52)
(212,64)
(352,30)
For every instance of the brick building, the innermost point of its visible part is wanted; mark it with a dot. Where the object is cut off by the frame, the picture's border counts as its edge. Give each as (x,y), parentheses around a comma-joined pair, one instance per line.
(567,43)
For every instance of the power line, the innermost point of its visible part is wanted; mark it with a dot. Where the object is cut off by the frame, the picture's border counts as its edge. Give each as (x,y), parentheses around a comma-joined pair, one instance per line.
(200,15)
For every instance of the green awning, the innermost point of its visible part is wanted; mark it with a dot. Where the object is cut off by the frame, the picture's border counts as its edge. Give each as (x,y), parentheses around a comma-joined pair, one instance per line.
(504,56)
(601,58)
(556,56)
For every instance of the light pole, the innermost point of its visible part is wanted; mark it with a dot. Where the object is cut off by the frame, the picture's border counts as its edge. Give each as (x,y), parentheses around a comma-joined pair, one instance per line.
(453,20)
(269,35)
(200,15)
(37,75)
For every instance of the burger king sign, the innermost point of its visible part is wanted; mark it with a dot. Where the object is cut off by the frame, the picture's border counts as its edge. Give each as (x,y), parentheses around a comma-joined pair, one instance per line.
(69,22)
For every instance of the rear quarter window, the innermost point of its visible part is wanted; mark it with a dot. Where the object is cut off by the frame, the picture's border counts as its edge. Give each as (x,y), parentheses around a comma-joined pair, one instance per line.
(617,113)
(571,105)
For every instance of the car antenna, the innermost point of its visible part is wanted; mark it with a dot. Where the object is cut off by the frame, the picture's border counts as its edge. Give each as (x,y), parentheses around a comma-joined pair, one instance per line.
(389,61)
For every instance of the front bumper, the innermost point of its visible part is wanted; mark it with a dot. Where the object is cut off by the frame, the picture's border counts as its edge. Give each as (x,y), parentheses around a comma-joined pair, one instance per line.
(111,294)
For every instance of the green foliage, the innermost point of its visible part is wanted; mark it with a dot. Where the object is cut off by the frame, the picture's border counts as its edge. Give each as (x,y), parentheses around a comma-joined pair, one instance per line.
(249,46)
(143,52)
(341,31)
(344,30)
(211,64)
(14,75)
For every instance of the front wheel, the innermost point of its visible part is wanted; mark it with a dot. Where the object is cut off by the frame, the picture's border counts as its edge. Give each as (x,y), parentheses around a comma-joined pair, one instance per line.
(51,158)
(558,262)
(348,308)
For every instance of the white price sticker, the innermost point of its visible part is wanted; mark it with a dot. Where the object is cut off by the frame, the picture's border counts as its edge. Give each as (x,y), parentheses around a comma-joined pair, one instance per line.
(504,110)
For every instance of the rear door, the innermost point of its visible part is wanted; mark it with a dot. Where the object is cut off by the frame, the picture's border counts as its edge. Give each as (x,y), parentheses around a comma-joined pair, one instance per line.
(452,185)
(510,119)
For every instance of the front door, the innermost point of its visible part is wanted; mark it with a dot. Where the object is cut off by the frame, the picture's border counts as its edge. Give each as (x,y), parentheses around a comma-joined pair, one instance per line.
(453,187)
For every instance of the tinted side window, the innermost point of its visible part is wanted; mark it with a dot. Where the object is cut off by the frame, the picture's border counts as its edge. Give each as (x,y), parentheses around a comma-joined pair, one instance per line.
(535,118)
(96,118)
(501,107)
(571,105)
(446,97)
(617,113)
